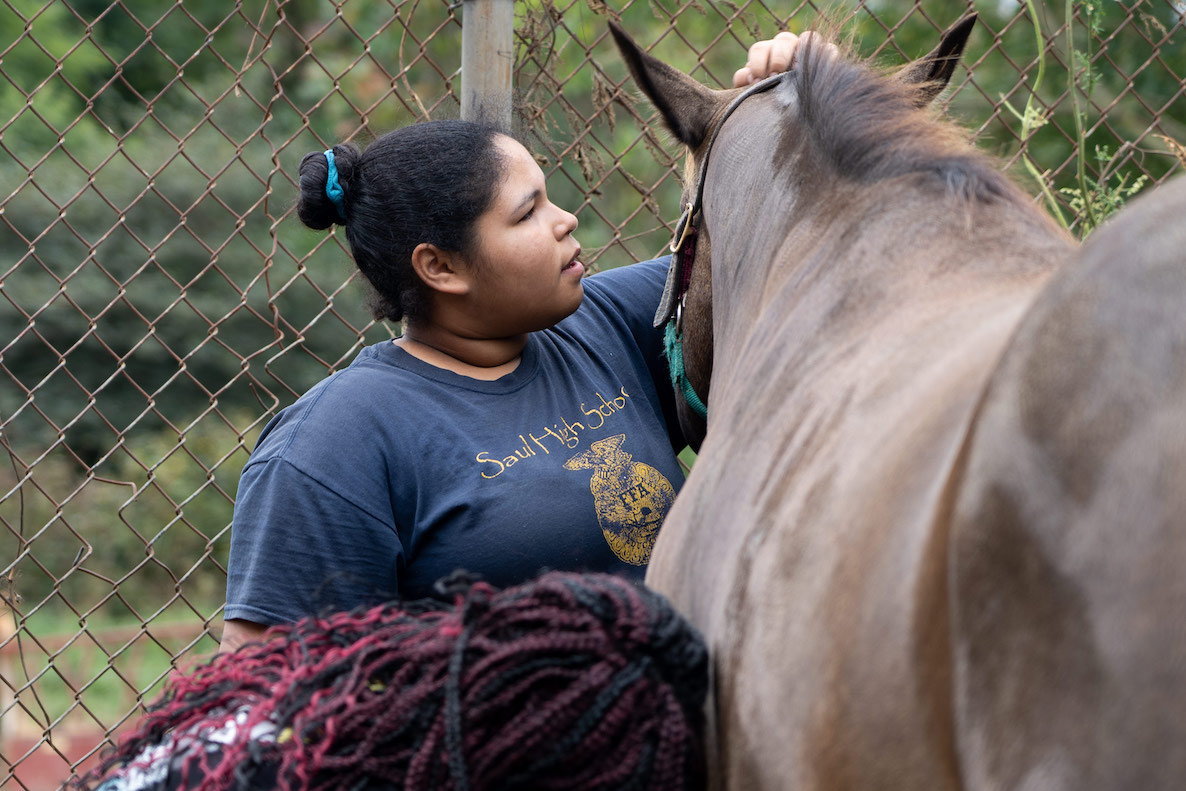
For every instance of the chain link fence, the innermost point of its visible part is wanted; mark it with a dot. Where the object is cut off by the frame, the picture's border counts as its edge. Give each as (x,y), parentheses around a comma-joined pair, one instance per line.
(159,302)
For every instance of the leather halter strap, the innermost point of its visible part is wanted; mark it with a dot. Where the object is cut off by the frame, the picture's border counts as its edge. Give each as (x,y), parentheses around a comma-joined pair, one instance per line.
(679,273)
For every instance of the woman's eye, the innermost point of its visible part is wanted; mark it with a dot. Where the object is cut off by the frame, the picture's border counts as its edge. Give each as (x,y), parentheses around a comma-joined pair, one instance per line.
(530,213)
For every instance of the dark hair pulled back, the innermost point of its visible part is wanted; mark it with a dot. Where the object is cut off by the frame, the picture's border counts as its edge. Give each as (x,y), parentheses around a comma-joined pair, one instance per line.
(427,182)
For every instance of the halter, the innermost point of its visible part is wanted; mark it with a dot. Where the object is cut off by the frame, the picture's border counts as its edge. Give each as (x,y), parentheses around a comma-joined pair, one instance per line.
(683,253)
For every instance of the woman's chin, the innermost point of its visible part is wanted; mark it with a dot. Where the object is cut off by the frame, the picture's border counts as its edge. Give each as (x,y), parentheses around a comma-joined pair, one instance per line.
(568,307)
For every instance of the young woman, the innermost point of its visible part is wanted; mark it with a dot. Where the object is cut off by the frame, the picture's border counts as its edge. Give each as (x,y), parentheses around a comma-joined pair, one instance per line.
(523,422)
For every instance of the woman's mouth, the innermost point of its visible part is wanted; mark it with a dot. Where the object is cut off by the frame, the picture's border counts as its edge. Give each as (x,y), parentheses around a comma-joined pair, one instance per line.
(574,265)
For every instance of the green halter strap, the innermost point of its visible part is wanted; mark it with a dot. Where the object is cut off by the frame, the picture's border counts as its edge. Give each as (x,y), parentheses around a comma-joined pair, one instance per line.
(673,347)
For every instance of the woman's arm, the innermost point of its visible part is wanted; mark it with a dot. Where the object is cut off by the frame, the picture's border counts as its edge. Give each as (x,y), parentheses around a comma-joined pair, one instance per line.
(237,632)
(304,543)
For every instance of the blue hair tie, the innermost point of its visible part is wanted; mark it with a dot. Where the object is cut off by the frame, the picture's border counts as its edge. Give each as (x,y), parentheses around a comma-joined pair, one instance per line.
(333,190)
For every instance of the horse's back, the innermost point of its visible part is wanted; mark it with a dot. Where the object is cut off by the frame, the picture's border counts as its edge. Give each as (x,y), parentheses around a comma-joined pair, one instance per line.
(1068,544)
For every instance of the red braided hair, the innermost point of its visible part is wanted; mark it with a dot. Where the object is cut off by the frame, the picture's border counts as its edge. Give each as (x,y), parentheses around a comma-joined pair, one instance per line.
(569,681)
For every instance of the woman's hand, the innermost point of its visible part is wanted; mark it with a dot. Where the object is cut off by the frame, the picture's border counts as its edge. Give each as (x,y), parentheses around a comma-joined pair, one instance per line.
(775,55)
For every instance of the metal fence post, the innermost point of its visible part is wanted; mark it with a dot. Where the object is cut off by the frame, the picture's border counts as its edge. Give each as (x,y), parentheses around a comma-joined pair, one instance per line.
(487,61)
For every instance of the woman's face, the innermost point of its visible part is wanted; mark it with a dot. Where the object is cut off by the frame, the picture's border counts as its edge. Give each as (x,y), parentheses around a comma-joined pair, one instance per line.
(525,275)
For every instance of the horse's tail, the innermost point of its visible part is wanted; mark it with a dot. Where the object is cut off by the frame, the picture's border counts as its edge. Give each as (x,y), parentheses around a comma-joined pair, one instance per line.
(1068,544)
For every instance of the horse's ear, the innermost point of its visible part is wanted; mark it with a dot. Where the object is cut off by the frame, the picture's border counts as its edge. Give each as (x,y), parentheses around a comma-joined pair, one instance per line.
(687,106)
(931,73)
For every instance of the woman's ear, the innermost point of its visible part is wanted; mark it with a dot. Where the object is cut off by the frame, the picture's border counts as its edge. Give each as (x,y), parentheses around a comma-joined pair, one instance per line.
(440,270)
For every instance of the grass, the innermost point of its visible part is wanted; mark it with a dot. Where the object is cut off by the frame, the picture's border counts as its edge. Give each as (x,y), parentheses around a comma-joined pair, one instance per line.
(68,677)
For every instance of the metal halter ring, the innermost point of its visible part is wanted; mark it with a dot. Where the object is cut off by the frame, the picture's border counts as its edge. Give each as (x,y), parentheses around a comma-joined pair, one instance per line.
(684,227)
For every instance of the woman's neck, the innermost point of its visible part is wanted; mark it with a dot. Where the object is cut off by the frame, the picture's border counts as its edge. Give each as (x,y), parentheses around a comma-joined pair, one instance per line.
(478,358)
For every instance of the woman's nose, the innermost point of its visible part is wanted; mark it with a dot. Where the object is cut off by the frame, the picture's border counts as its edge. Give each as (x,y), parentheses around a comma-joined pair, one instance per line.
(567,224)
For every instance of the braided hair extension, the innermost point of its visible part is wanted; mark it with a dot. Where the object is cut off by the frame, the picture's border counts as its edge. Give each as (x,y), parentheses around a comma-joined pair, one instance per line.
(574,681)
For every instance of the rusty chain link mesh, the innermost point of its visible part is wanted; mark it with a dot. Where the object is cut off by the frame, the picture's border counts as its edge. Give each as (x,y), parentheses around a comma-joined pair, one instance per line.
(160,302)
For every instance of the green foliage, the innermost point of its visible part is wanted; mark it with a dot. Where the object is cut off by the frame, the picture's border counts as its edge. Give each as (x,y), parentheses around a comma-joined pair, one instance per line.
(140,247)
(159,301)
(1033,119)
(1108,46)
(146,532)
(1103,197)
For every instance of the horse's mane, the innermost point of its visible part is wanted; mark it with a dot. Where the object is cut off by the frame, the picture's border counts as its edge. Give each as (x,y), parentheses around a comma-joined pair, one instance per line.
(865,123)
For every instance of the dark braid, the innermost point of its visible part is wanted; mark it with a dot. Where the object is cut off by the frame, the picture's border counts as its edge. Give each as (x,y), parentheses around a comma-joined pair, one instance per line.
(570,681)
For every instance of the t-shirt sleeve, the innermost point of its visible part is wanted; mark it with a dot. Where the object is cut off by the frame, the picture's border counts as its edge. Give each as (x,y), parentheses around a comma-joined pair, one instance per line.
(298,547)
(634,291)
(630,295)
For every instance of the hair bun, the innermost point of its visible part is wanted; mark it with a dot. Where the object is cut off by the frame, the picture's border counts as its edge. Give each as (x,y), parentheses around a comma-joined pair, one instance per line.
(325,201)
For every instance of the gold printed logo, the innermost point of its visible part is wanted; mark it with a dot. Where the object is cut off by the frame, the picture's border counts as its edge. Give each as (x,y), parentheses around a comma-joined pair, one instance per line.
(631,498)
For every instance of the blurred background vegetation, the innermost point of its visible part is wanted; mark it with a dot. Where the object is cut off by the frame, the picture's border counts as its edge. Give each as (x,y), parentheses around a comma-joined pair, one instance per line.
(159,302)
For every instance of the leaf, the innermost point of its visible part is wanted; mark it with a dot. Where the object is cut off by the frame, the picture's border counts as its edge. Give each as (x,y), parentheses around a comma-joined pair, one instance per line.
(1150,22)
(1176,148)
(583,160)
(1094,21)
(590,163)
(1103,200)
(603,99)
(1031,119)
(1088,76)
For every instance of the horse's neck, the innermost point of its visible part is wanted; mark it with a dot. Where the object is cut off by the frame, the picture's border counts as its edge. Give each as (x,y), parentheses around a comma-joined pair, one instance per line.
(839,264)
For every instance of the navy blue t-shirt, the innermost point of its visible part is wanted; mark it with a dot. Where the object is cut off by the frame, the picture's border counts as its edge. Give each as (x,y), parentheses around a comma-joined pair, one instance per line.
(392,473)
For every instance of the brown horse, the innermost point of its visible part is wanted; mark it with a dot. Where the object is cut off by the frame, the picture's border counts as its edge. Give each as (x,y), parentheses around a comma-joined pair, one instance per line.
(936,533)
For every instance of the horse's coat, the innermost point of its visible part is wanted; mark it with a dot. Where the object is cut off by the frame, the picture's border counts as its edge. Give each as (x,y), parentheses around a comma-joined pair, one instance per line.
(867,516)
(1068,540)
